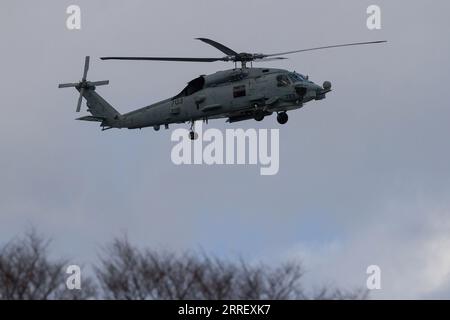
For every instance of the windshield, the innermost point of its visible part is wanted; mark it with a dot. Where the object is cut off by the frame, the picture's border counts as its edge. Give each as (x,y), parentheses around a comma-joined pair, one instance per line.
(296,77)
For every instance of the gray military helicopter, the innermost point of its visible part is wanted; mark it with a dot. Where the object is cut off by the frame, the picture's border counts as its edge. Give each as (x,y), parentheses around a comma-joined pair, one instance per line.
(237,94)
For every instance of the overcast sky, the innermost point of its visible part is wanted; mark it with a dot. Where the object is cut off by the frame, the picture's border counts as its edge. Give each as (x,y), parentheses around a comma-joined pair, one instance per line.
(364,175)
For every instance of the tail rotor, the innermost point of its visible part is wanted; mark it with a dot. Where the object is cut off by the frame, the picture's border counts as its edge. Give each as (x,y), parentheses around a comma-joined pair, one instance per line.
(84,84)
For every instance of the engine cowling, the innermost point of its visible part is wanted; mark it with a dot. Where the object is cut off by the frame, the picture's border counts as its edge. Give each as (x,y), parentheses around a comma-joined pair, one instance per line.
(327,85)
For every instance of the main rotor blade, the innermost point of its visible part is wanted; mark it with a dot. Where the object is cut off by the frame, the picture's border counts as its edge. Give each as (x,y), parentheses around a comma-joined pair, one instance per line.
(80,99)
(86,67)
(166,59)
(270,59)
(326,47)
(221,47)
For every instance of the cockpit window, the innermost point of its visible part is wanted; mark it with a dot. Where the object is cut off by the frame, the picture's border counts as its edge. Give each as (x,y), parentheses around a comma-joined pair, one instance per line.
(193,86)
(296,77)
(283,80)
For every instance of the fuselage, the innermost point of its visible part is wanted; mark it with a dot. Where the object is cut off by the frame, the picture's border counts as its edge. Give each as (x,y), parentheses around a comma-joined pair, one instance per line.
(232,94)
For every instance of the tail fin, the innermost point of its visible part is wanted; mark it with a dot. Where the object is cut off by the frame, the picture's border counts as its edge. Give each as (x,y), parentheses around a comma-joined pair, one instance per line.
(101,110)
(99,107)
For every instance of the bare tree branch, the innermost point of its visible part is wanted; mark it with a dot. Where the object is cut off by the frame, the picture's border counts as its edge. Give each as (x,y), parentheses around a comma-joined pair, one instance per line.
(125,272)
(26,273)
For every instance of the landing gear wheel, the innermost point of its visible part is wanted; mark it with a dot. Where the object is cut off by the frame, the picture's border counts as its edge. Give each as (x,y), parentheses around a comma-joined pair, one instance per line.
(282,118)
(259,115)
(193,135)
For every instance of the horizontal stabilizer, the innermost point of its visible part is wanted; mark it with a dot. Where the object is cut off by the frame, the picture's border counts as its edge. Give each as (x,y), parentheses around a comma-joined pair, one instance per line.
(91,118)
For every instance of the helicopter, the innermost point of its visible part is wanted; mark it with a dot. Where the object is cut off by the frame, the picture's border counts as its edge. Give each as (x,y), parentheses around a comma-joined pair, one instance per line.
(237,94)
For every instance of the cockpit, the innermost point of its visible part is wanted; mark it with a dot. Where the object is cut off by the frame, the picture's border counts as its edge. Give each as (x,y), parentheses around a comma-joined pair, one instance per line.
(285,79)
(193,86)
(296,77)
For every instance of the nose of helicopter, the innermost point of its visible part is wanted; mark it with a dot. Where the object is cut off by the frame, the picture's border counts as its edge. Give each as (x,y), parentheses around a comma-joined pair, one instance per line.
(308,85)
(310,90)
(307,89)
